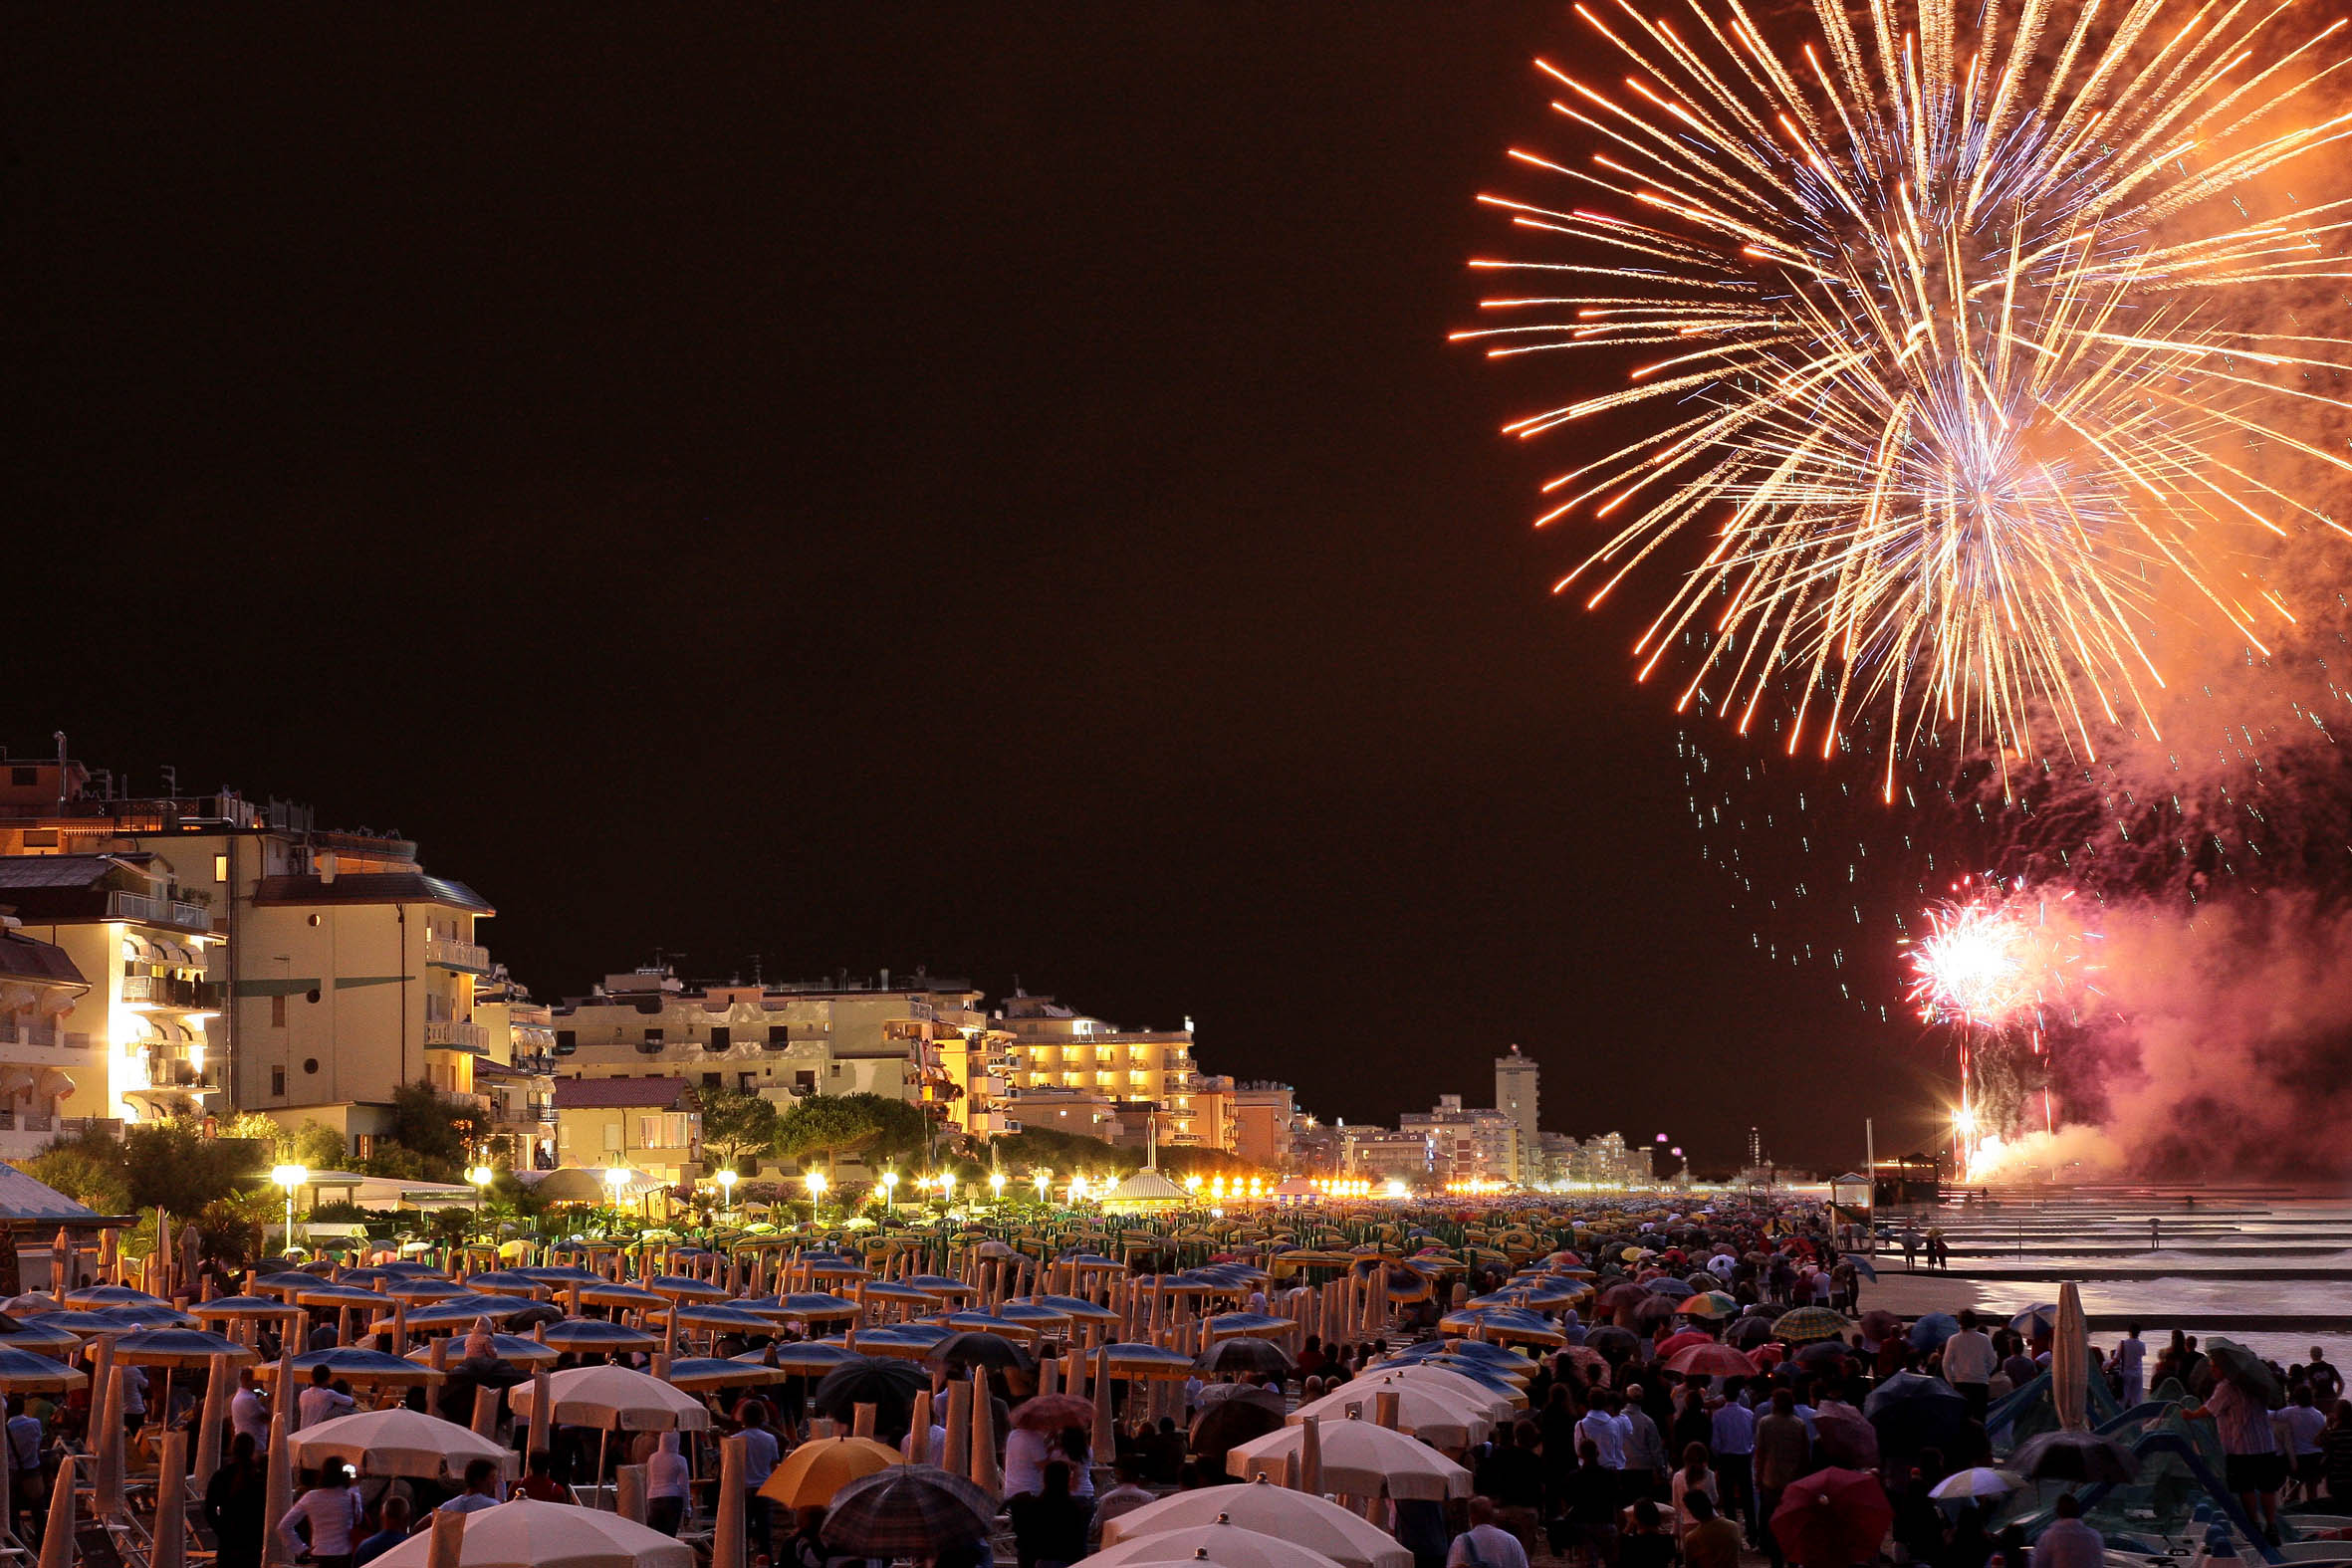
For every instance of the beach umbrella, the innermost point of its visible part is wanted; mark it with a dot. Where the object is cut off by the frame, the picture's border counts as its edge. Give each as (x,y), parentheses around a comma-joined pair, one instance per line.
(1242,1415)
(422,1291)
(1133,1359)
(588,1336)
(177,1347)
(396,1441)
(718,1372)
(961,1350)
(2081,1457)
(1076,1308)
(1674,1344)
(1263,1325)
(528,1534)
(611,1295)
(1220,1542)
(358,1366)
(684,1287)
(1434,1418)
(907,1511)
(807,1306)
(720,1315)
(459,1312)
(26,1372)
(1881,1325)
(804,1358)
(1975,1485)
(1711,1305)
(911,1341)
(1609,1339)
(1930,1331)
(1748,1333)
(612,1398)
(1259,1357)
(507,1282)
(1845,1438)
(511,1349)
(889,1386)
(1667,1285)
(240,1308)
(2242,1369)
(2070,1359)
(1359,1459)
(814,1472)
(1832,1518)
(2037,1320)
(1498,1400)
(1912,1411)
(95,1297)
(1710,1360)
(1315,1523)
(1809,1325)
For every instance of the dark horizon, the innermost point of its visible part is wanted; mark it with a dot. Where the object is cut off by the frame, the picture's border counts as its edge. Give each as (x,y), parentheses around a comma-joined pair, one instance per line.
(980,490)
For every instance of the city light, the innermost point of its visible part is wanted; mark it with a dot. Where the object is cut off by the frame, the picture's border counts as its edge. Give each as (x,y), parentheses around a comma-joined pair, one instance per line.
(996,1184)
(889,1189)
(290,1177)
(725,1178)
(1045,1180)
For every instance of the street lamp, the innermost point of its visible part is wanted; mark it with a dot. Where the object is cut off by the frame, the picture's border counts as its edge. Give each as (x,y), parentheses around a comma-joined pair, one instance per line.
(481,1175)
(996,1186)
(946,1187)
(290,1177)
(726,1180)
(815,1184)
(1045,1180)
(616,1177)
(890,1191)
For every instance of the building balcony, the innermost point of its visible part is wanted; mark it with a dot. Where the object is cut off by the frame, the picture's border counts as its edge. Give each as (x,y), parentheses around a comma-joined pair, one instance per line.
(467,958)
(479,1104)
(148,910)
(163,991)
(43,1045)
(446,1034)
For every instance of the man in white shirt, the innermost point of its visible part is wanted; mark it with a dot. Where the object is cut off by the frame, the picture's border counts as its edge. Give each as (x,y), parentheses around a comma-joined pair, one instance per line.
(1605,1430)
(481,1488)
(2131,1366)
(321,1400)
(1969,1361)
(249,1410)
(2299,1426)
(1486,1544)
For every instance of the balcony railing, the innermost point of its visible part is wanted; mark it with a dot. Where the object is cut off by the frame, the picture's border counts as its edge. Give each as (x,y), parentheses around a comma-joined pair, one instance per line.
(467,958)
(457,1036)
(43,1036)
(150,911)
(479,1104)
(165,991)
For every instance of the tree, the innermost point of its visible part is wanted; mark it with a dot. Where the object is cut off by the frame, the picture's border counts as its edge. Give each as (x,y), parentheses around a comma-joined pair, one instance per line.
(398,1162)
(828,1126)
(738,1127)
(902,1134)
(437,1129)
(91,1178)
(314,1145)
(172,1165)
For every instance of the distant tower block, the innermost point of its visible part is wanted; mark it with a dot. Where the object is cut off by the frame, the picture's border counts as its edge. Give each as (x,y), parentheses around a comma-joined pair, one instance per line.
(1516,1087)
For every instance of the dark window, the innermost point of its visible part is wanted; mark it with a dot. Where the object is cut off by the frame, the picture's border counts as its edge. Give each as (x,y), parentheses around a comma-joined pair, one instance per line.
(654,1037)
(567,1041)
(278,1010)
(744,1081)
(805,1081)
(779,1034)
(23,778)
(278,1081)
(720,1039)
(710,1080)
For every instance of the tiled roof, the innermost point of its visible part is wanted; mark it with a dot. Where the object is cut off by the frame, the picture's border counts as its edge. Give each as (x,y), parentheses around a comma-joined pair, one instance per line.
(370,887)
(594,1094)
(19,871)
(24,958)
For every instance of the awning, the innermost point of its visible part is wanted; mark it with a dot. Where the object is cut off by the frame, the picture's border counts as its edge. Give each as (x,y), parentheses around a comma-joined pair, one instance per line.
(15,1082)
(53,1084)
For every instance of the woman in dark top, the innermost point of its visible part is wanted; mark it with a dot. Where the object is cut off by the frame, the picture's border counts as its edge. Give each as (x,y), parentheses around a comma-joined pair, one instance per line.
(1969,1546)
(235,1500)
(1691,1423)
(1556,1426)
(1647,1544)
(1050,1526)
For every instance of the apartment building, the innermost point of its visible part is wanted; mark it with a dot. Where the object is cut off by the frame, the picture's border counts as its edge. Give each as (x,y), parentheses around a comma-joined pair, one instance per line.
(294,970)
(1384,1154)
(135,1044)
(1057,1057)
(515,1072)
(923,1039)
(653,1125)
(1466,1143)
(1254,1122)
(1518,1082)
(39,988)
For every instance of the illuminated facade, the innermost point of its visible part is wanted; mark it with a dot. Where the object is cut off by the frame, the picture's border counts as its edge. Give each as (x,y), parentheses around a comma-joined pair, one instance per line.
(279,966)
(1064,1056)
(1382,1154)
(1517,1082)
(1466,1143)
(41,986)
(923,1039)
(515,1072)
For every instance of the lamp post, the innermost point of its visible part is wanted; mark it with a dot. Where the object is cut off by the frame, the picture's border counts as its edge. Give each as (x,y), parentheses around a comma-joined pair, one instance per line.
(616,1177)
(816,1183)
(996,1187)
(726,1180)
(890,1191)
(1045,1180)
(947,1189)
(481,1175)
(290,1177)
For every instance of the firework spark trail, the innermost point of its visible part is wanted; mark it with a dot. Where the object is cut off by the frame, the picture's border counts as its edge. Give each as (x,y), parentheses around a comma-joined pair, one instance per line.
(1948,350)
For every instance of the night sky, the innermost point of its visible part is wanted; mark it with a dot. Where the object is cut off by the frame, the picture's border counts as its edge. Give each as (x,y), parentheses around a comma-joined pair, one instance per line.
(982,487)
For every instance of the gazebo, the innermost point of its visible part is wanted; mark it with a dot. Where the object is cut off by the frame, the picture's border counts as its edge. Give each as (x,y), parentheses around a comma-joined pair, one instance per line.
(1147,1192)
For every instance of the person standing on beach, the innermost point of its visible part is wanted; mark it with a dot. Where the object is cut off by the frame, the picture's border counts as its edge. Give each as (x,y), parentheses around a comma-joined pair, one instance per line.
(2327,1384)
(2130,1367)
(1968,1365)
